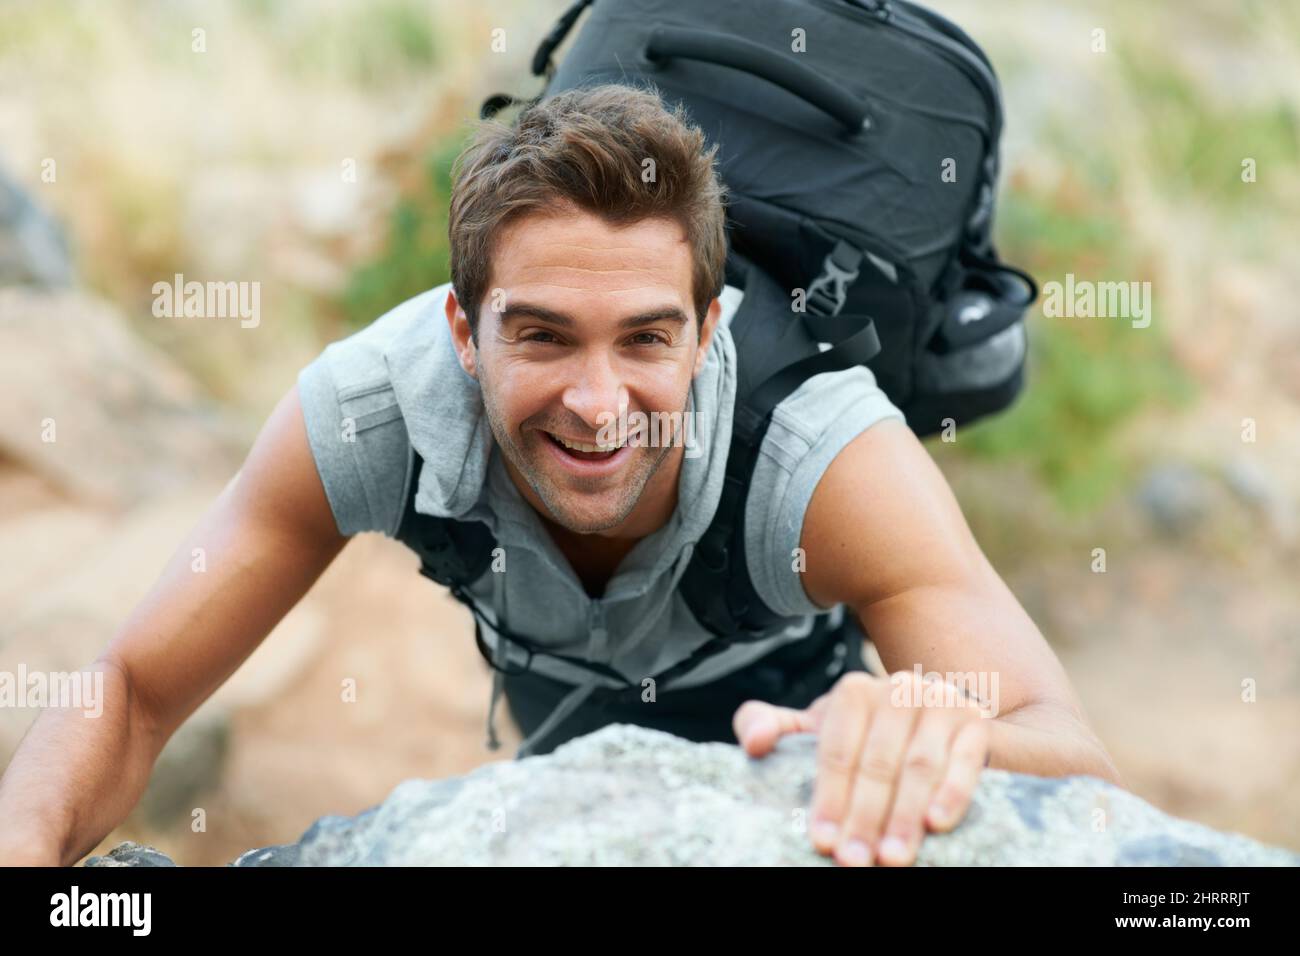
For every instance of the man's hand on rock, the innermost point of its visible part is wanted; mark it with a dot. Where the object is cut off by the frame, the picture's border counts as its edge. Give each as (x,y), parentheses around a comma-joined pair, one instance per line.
(895,757)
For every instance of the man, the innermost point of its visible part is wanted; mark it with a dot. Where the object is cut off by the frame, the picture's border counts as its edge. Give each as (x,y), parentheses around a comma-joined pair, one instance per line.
(583,289)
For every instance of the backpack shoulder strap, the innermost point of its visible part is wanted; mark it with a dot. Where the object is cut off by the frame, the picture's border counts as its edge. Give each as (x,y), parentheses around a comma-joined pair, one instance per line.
(456,553)
(717,586)
(453,553)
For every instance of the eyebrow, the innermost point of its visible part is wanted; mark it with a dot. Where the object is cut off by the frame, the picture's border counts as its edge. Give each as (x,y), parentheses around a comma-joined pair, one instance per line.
(670,313)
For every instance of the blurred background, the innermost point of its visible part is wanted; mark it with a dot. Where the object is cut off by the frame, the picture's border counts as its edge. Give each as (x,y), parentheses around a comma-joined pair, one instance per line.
(307,147)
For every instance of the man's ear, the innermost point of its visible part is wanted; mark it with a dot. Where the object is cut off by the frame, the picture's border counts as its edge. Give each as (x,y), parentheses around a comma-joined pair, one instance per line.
(706,335)
(461,338)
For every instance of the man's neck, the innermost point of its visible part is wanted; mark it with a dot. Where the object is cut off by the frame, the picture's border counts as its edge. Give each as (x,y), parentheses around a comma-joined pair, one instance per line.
(595,557)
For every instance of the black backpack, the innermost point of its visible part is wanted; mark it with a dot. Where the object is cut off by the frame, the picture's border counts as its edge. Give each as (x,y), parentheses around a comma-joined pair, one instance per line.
(861,170)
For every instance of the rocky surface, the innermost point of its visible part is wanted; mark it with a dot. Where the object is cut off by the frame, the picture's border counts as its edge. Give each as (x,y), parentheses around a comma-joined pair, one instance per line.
(631,796)
(125,424)
(33,247)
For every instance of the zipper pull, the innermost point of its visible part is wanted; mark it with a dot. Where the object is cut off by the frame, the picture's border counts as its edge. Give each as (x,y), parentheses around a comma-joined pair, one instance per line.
(880,9)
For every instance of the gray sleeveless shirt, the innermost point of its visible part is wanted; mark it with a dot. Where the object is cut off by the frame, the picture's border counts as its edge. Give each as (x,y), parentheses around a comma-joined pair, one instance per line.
(397,384)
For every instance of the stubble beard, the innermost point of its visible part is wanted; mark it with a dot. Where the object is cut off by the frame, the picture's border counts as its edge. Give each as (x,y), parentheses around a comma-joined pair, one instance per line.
(566,504)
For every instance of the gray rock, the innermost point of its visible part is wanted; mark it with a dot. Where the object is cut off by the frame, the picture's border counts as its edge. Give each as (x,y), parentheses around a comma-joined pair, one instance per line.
(626,795)
(283,855)
(95,410)
(33,247)
(1257,488)
(131,854)
(1176,497)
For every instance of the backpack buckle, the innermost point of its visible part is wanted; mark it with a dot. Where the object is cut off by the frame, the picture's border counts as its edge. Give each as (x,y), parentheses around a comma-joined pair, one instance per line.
(829,291)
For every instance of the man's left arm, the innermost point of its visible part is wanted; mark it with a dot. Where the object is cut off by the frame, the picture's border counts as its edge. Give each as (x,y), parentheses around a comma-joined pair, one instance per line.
(884,535)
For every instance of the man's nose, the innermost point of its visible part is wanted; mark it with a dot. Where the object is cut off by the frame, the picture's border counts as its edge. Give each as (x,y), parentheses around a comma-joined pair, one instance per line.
(596,392)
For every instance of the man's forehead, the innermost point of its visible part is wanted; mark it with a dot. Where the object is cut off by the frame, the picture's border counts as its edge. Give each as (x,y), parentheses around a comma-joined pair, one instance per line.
(584,254)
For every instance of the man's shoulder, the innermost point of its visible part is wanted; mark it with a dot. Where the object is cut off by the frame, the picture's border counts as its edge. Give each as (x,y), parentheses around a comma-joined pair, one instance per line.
(809,429)
(354,417)
(826,411)
(361,362)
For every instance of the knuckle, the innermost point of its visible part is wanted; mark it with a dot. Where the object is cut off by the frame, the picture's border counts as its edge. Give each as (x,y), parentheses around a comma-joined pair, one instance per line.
(905,677)
(835,761)
(749,709)
(922,763)
(877,768)
(855,685)
(902,684)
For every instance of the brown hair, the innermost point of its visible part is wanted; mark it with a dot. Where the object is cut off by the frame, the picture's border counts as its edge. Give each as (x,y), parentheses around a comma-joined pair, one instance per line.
(588,147)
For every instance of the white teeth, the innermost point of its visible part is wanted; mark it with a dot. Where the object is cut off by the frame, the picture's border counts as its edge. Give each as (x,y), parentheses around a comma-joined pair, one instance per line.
(580,446)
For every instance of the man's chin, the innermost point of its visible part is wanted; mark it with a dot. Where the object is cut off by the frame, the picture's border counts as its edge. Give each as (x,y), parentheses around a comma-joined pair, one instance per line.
(588,506)
(586,520)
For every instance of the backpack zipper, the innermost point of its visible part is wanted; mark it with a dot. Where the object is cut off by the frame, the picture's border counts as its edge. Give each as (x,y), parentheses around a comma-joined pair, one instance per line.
(947,27)
(884,12)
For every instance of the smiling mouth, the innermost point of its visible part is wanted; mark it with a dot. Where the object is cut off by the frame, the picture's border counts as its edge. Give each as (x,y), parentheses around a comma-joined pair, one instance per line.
(582,450)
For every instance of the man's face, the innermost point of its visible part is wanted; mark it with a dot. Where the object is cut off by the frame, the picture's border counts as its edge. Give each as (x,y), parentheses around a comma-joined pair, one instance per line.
(582,320)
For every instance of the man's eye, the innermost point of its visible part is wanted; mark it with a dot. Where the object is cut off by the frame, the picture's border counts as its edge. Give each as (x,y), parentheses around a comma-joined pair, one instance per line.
(544,337)
(649,338)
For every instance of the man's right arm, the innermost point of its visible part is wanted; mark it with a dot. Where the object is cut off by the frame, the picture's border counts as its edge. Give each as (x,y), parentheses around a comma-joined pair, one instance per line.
(265,540)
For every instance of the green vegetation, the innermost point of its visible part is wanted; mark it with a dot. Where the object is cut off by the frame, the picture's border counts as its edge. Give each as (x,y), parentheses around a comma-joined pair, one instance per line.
(1086,376)
(369,44)
(416,256)
(1196,140)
